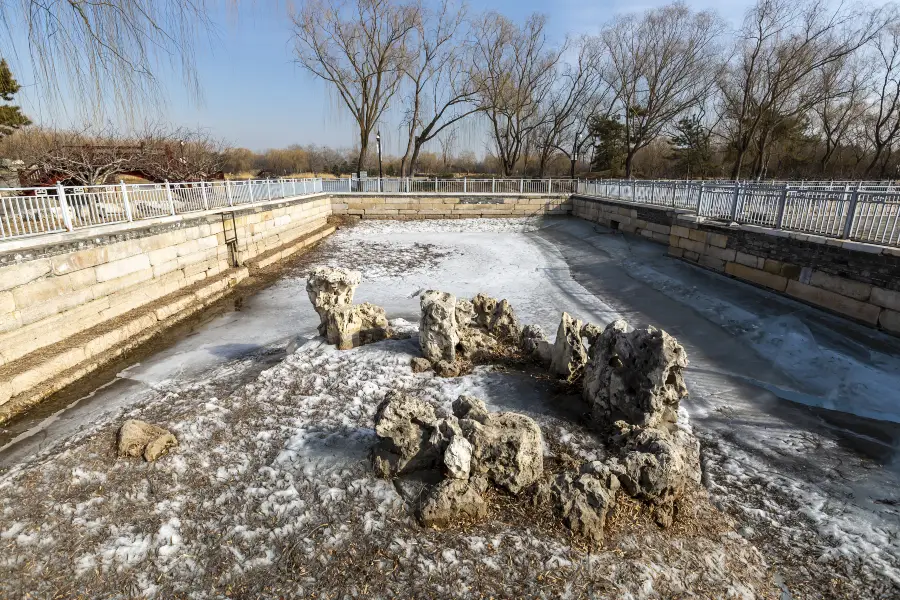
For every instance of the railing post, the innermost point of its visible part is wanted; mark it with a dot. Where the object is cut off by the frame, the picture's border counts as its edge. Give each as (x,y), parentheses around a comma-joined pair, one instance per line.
(128,215)
(851,213)
(407,185)
(283,192)
(204,194)
(549,186)
(699,196)
(734,200)
(228,193)
(170,197)
(522,185)
(64,207)
(269,188)
(633,190)
(493,185)
(652,191)
(464,184)
(782,201)
(250,191)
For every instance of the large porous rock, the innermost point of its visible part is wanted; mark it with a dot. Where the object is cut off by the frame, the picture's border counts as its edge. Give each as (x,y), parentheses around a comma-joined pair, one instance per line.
(438,331)
(484,307)
(568,356)
(657,466)
(139,438)
(637,376)
(470,407)
(465,313)
(328,288)
(535,344)
(582,499)
(506,447)
(349,326)
(452,501)
(504,324)
(409,435)
(591,333)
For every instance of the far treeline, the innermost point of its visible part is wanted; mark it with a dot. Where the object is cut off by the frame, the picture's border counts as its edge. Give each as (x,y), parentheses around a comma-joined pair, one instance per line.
(801,90)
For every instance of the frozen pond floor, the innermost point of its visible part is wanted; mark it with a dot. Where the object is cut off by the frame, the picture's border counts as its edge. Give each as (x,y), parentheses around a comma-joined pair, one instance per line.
(797,411)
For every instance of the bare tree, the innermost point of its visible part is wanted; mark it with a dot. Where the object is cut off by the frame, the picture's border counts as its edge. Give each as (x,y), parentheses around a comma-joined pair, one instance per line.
(102,53)
(661,64)
(448,143)
(441,93)
(359,47)
(884,122)
(577,86)
(842,86)
(782,44)
(513,74)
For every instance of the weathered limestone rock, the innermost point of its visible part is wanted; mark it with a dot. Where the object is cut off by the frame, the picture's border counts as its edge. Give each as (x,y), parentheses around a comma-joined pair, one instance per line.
(531,336)
(465,313)
(568,356)
(504,324)
(635,375)
(507,448)
(458,457)
(420,365)
(591,333)
(476,344)
(582,499)
(470,407)
(159,447)
(444,368)
(138,438)
(484,307)
(328,288)
(406,428)
(657,466)
(438,332)
(349,326)
(449,502)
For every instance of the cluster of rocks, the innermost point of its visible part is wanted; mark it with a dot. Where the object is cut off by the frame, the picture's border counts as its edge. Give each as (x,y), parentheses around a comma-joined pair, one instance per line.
(345,324)
(470,450)
(632,381)
(455,332)
(139,438)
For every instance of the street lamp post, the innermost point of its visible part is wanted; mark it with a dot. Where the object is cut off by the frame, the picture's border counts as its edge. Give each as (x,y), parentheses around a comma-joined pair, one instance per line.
(574,156)
(380,170)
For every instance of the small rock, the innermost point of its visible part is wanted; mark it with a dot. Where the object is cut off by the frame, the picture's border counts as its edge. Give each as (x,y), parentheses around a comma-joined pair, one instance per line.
(419,364)
(449,502)
(568,355)
(591,333)
(328,288)
(657,466)
(138,438)
(458,458)
(470,407)
(531,335)
(477,345)
(160,447)
(508,449)
(445,368)
(349,326)
(438,332)
(583,501)
(406,428)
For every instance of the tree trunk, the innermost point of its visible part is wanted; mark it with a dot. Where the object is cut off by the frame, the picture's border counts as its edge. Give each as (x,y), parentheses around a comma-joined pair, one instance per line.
(363,153)
(629,159)
(411,168)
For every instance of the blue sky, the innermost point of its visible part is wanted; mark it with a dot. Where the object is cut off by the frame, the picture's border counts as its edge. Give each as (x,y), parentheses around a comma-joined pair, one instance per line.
(254,95)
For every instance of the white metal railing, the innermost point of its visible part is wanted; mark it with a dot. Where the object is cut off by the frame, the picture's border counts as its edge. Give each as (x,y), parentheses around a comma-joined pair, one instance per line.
(860,211)
(34,211)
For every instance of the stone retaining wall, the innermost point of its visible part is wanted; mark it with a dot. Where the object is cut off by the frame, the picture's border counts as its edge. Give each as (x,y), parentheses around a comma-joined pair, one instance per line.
(448,206)
(856,280)
(51,293)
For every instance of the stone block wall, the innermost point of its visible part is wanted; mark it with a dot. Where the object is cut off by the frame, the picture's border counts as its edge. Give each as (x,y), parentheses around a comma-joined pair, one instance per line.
(449,206)
(652,223)
(50,293)
(858,281)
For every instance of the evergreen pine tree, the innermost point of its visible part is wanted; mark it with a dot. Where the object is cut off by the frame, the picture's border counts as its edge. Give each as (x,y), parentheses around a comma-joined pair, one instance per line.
(11,117)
